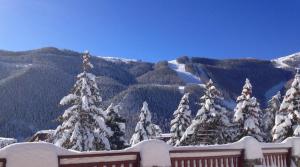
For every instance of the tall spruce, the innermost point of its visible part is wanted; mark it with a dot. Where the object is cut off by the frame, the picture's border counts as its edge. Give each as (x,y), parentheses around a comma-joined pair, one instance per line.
(83,123)
(287,120)
(181,121)
(248,114)
(209,126)
(117,125)
(145,129)
(269,116)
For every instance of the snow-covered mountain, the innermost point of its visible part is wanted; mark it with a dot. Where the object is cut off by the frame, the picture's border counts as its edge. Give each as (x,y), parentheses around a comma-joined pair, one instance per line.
(33,82)
(289,62)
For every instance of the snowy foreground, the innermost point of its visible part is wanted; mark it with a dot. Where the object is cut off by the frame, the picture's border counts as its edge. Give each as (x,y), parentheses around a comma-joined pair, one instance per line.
(152,152)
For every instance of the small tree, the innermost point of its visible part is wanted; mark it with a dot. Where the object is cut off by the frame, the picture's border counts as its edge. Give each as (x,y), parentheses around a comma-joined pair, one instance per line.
(269,116)
(145,129)
(247,114)
(83,123)
(287,120)
(209,126)
(117,124)
(181,121)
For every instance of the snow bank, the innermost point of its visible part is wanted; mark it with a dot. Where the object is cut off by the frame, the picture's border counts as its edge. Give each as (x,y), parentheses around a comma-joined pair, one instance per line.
(153,153)
(293,142)
(32,154)
(253,149)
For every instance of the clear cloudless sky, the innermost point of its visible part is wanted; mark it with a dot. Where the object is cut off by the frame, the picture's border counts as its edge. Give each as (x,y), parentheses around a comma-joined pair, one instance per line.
(153,30)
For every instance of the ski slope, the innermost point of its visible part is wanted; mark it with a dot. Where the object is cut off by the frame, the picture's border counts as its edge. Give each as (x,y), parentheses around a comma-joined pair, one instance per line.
(187,77)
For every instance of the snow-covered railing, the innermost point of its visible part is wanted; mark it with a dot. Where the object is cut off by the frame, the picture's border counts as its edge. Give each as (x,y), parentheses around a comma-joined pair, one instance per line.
(124,159)
(247,152)
(207,158)
(277,157)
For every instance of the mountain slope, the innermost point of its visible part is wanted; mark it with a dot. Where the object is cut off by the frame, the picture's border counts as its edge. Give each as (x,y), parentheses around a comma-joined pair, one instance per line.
(33,82)
(288,62)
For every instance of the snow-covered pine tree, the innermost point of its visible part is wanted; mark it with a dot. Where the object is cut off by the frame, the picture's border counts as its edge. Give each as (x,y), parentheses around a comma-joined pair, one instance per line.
(287,120)
(181,121)
(248,114)
(83,123)
(269,116)
(145,129)
(209,126)
(117,125)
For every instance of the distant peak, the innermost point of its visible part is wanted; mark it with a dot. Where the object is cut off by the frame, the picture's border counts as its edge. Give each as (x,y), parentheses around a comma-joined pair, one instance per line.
(290,61)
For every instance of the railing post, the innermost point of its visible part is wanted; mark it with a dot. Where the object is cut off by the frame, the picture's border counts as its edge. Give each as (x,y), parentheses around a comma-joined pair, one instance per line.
(294,152)
(138,159)
(289,157)
(242,158)
(252,162)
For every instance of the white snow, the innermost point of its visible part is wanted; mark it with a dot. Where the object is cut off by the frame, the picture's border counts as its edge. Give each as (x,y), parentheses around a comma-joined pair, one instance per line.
(117,59)
(153,153)
(252,148)
(6,141)
(181,89)
(183,74)
(165,135)
(23,65)
(32,154)
(280,62)
(48,131)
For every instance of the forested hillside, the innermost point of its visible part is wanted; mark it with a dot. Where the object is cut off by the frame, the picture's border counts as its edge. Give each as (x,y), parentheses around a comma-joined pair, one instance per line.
(33,82)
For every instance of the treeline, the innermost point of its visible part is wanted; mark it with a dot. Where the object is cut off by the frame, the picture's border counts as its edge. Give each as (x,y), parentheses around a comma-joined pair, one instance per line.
(85,126)
(214,124)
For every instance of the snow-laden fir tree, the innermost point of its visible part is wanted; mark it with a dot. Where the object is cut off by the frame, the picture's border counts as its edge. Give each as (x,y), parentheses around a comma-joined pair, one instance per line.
(287,120)
(145,129)
(248,114)
(181,121)
(269,116)
(209,126)
(117,125)
(83,125)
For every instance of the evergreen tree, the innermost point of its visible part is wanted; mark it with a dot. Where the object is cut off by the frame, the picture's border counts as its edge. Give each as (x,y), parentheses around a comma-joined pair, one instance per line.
(269,116)
(117,125)
(181,121)
(287,120)
(145,129)
(209,126)
(83,123)
(248,114)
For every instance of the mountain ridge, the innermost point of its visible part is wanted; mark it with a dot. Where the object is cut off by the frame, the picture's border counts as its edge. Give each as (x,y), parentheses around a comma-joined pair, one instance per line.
(33,82)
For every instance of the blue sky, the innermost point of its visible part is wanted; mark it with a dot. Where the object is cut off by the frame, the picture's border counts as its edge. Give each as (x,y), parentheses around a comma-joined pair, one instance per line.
(154,30)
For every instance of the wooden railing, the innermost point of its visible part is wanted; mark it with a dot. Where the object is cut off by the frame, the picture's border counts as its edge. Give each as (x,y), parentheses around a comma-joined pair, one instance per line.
(2,162)
(277,157)
(124,159)
(207,158)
